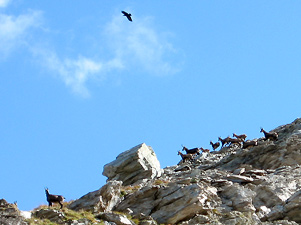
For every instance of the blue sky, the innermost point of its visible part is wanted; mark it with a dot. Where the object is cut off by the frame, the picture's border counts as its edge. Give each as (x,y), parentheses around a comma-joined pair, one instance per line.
(80,84)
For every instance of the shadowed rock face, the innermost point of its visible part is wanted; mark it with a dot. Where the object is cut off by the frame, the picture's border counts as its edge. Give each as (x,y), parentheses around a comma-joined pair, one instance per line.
(134,165)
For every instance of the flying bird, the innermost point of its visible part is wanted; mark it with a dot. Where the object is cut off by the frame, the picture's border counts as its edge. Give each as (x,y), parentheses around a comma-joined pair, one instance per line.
(128,15)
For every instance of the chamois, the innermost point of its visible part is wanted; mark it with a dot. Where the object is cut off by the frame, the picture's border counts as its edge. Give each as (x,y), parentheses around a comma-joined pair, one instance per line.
(242,136)
(54,198)
(249,143)
(205,150)
(269,135)
(185,156)
(191,151)
(235,141)
(214,145)
(224,141)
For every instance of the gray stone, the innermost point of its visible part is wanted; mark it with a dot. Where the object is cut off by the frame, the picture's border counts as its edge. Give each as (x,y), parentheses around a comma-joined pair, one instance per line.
(239,171)
(276,213)
(293,207)
(277,187)
(239,178)
(50,214)
(238,198)
(102,200)
(7,209)
(118,219)
(134,165)
(256,172)
(10,214)
(172,203)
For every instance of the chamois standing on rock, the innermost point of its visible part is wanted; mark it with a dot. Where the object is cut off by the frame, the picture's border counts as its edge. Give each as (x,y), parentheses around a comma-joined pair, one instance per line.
(191,151)
(249,143)
(54,198)
(224,141)
(269,135)
(242,136)
(185,157)
(235,141)
(214,145)
(205,150)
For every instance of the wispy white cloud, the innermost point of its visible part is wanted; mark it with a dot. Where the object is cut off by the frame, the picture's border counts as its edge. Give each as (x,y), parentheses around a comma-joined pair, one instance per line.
(139,44)
(13,29)
(132,45)
(75,73)
(4,3)
(136,45)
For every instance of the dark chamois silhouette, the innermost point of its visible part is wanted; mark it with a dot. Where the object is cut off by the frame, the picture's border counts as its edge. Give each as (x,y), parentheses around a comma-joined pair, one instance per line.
(214,145)
(191,151)
(128,15)
(269,135)
(54,198)
(185,157)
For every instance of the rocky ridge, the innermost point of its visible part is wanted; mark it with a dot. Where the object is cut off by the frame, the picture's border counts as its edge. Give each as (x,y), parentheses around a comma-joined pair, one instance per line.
(258,185)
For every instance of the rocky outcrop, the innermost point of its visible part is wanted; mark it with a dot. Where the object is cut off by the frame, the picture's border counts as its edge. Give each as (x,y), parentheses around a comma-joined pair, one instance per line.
(171,203)
(217,195)
(134,165)
(234,186)
(10,214)
(258,185)
(286,151)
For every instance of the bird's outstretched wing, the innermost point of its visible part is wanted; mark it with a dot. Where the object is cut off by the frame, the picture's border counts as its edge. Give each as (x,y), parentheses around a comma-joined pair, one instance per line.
(128,15)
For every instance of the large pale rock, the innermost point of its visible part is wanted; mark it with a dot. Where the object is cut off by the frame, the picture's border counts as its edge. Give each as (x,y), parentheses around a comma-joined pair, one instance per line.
(102,200)
(134,165)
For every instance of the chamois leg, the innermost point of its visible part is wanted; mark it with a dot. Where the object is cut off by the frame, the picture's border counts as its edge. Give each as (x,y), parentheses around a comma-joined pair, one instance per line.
(61,205)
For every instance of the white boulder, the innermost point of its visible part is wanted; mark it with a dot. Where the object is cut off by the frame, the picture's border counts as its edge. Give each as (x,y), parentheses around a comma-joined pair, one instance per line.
(134,165)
